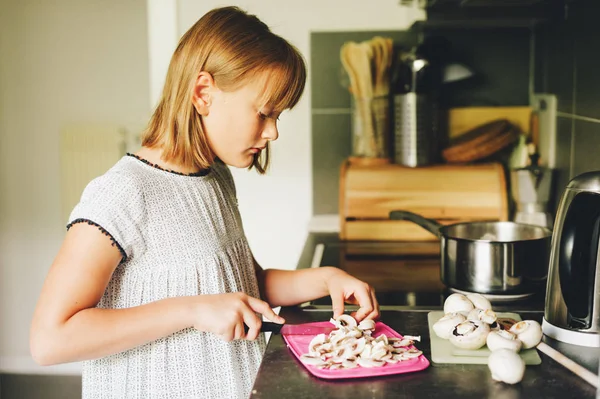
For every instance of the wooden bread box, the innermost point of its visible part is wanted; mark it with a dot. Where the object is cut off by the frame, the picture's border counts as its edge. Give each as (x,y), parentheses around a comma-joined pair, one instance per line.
(446,193)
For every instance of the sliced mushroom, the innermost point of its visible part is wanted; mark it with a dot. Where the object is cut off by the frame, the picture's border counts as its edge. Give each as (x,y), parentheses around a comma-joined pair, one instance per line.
(354,332)
(383,339)
(312,360)
(412,353)
(350,363)
(316,342)
(349,346)
(363,362)
(359,346)
(366,352)
(367,325)
(402,343)
(379,353)
(346,320)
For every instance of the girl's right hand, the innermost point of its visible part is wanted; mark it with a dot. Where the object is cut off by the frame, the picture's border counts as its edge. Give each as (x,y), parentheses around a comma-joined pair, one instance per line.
(226,314)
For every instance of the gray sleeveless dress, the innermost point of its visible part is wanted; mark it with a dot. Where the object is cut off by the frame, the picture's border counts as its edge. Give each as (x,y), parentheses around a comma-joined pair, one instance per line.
(179,235)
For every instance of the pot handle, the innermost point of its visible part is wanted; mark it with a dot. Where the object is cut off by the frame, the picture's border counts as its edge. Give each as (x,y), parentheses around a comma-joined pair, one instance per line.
(428,224)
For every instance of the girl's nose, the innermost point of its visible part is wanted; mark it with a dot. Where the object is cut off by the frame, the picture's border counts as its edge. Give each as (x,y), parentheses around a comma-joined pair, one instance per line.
(270,132)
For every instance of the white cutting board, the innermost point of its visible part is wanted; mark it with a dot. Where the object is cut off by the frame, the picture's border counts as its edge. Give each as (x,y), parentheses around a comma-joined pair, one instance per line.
(443,351)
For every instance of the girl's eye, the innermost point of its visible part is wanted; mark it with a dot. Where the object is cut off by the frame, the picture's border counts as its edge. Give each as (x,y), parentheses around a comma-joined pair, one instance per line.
(265,116)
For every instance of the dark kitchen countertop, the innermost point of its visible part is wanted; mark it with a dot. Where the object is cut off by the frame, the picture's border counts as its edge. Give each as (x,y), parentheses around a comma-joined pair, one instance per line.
(282,376)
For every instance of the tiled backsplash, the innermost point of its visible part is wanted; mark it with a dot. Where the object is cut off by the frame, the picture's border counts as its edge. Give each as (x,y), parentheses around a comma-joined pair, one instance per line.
(569,64)
(330,106)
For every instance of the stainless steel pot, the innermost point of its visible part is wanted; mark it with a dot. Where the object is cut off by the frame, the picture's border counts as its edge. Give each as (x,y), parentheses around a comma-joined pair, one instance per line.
(489,257)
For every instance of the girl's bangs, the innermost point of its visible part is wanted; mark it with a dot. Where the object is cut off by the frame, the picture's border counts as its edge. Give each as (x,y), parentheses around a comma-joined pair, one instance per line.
(284,85)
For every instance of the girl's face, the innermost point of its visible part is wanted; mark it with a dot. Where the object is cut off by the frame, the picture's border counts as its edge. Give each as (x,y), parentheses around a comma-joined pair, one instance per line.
(238,127)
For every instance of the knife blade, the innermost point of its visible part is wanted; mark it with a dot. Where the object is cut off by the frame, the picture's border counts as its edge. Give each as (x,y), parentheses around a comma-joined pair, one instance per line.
(293,329)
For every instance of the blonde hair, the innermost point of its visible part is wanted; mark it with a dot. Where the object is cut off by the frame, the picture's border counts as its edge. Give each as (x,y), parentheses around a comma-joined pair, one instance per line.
(233,47)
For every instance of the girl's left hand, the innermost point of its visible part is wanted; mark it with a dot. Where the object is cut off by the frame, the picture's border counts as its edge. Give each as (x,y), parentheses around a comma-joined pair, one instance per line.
(343,288)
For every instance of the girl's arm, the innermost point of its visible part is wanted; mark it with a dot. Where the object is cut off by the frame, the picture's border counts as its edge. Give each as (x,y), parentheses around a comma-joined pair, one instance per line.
(291,287)
(67,326)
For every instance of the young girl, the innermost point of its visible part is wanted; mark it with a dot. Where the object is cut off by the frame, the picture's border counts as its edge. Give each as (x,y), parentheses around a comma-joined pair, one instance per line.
(155,282)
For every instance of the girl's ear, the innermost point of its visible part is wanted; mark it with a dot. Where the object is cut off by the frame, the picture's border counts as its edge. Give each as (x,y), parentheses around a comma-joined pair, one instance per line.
(201,96)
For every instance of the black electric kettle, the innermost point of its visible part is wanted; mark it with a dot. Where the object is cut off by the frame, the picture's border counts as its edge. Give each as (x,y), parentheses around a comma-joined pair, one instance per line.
(572,311)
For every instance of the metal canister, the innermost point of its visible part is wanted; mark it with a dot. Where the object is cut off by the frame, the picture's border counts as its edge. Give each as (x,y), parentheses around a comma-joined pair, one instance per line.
(415,130)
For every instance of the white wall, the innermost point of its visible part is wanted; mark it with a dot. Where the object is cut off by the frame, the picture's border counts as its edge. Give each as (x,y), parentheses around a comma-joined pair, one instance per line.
(61,61)
(276,208)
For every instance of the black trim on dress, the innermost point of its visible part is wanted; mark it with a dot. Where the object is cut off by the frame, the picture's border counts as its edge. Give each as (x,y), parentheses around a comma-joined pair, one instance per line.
(203,172)
(103,230)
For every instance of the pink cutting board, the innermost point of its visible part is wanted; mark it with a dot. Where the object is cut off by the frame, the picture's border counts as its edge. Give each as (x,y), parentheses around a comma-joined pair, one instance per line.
(298,344)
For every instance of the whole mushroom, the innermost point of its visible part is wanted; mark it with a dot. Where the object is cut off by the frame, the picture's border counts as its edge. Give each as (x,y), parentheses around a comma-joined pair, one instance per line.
(479,301)
(470,334)
(443,327)
(529,332)
(487,316)
(506,366)
(503,339)
(456,303)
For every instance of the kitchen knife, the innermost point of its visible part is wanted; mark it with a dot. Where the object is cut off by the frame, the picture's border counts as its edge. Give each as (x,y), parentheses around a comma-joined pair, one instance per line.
(294,329)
